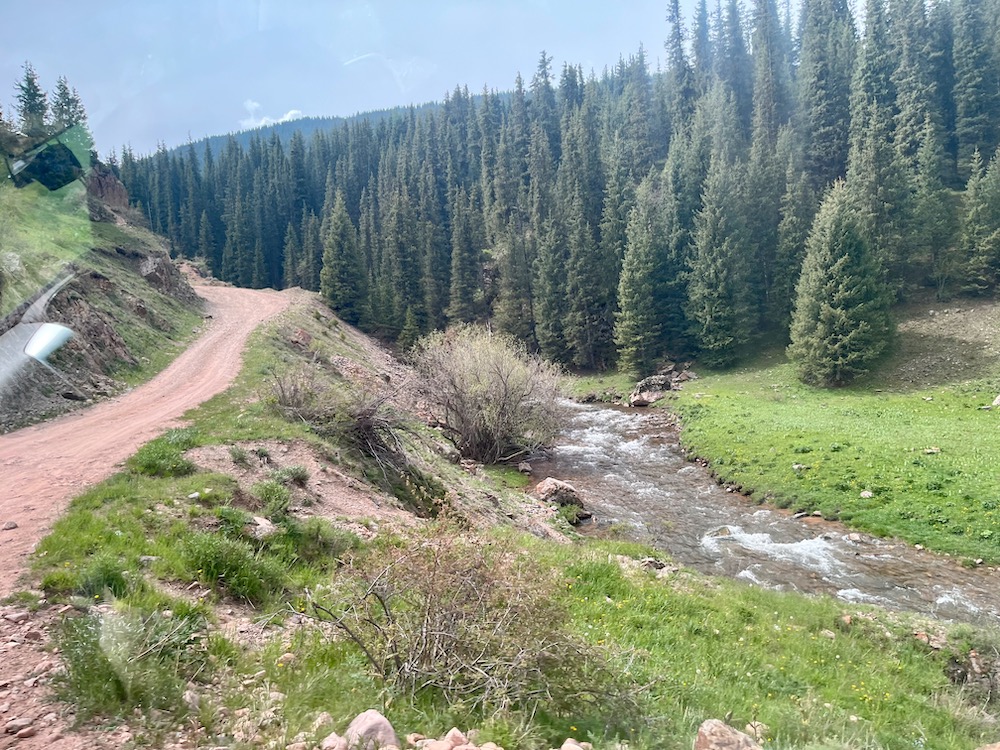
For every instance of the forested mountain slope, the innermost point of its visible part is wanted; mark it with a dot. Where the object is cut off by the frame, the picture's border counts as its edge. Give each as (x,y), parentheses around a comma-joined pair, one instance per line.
(620,217)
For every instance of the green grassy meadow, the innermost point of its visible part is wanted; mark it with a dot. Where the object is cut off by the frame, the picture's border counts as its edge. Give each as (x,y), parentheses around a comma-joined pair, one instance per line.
(916,464)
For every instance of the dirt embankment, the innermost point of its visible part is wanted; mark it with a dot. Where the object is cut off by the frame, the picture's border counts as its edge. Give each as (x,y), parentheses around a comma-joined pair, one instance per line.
(42,467)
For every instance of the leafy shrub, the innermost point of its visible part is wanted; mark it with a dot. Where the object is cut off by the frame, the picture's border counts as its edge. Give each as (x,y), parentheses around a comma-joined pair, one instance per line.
(274,498)
(232,521)
(239,455)
(314,540)
(161,458)
(473,621)
(297,394)
(493,399)
(419,492)
(116,662)
(234,565)
(359,417)
(297,475)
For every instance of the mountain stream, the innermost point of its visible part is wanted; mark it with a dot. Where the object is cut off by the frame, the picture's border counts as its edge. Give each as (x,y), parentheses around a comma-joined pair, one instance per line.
(631,473)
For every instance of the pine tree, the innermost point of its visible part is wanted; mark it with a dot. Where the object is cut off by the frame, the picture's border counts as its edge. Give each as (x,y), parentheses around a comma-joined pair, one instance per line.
(977,98)
(639,122)
(550,292)
(771,107)
(679,81)
(206,244)
(934,216)
(514,307)
(433,245)
(342,278)
(312,251)
(979,243)
(703,62)
(32,103)
(719,294)
(913,79)
(824,80)
(881,191)
(766,178)
(841,323)
(637,324)
(542,106)
(590,291)
(292,273)
(798,209)
(463,299)
(67,108)
(940,23)
(733,66)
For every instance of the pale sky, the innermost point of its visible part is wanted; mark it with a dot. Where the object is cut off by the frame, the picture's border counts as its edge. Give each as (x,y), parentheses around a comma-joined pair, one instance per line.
(153,71)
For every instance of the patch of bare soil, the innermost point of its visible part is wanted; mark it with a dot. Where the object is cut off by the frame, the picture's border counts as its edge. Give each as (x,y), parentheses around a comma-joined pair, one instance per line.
(347,502)
(946,343)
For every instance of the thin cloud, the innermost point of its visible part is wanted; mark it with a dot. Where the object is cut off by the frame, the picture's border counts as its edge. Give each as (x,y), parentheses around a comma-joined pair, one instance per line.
(255,121)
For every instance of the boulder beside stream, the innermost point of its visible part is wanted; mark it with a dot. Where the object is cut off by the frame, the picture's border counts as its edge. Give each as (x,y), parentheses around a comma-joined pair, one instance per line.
(564,495)
(649,390)
(551,490)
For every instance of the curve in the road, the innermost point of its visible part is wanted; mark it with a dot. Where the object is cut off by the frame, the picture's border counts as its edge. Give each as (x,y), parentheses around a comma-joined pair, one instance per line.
(43,467)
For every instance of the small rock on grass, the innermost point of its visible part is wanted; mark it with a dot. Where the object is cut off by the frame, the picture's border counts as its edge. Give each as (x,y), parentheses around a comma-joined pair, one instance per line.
(333,741)
(323,720)
(370,730)
(717,735)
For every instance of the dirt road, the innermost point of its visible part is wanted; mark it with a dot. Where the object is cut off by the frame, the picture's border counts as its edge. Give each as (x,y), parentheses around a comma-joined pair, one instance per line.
(43,467)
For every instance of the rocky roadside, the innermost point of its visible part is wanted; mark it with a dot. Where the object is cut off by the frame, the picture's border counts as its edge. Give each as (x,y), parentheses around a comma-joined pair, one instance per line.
(29,715)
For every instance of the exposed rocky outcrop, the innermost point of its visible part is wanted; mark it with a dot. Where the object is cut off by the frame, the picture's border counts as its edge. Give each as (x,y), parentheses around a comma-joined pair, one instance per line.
(161,273)
(372,731)
(551,490)
(106,193)
(652,389)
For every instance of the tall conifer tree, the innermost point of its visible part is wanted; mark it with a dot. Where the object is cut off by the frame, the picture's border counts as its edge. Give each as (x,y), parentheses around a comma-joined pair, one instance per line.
(842,322)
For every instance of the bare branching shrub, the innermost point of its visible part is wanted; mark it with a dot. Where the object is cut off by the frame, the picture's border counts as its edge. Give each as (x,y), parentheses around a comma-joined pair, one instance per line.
(297,394)
(361,417)
(473,620)
(367,421)
(494,400)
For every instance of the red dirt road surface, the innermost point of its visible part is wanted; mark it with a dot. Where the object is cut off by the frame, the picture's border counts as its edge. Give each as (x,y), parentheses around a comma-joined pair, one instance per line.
(43,467)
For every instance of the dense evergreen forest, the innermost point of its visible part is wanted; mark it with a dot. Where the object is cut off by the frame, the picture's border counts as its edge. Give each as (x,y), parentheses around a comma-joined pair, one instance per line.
(613,220)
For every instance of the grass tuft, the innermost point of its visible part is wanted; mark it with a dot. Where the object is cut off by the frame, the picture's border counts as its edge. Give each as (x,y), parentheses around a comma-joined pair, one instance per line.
(161,458)
(234,566)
